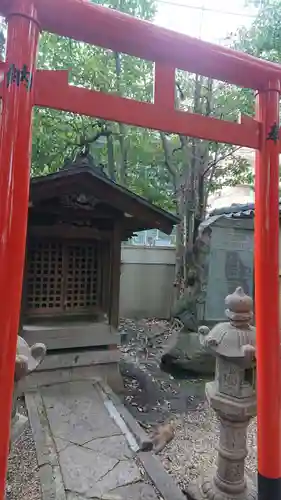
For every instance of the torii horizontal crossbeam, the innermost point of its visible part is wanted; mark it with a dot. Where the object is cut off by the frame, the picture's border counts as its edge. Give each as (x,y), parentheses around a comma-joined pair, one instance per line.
(141,114)
(158,115)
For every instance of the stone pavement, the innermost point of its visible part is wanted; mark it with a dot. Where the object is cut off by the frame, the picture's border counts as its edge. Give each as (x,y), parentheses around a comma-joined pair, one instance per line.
(86,449)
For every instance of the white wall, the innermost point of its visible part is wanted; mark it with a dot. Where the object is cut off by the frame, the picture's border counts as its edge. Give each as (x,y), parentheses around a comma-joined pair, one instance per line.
(147,276)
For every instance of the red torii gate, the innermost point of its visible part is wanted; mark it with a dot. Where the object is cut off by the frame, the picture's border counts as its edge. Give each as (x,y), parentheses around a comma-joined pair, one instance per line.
(24,87)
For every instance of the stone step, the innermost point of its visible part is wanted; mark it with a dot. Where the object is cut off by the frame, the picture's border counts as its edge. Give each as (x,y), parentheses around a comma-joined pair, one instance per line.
(71,336)
(78,358)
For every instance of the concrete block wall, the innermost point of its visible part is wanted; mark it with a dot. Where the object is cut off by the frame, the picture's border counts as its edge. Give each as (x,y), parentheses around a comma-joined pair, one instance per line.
(147,276)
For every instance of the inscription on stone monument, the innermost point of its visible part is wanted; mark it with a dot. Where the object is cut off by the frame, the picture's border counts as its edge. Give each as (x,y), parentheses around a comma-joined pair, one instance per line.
(230,266)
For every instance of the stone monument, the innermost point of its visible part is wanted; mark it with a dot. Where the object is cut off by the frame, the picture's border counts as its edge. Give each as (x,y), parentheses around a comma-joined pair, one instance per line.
(27,360)
(232,396)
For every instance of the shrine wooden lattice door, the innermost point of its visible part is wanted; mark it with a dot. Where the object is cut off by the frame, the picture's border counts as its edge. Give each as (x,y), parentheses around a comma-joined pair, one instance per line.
(63,278)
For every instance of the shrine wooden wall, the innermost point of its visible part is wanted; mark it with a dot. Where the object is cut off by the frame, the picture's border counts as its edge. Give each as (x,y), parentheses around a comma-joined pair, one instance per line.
(72,275)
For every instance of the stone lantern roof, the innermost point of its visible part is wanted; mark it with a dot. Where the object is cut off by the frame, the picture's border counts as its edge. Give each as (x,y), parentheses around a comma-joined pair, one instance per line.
(234,338)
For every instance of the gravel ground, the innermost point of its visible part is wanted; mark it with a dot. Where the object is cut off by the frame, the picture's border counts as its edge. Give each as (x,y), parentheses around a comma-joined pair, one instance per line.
(193,449)
(180,401)
(23,480)
(153,397)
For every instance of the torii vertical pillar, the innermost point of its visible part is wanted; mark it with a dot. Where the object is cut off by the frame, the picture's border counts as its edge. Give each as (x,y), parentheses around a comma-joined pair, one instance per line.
(15,150)
(267,295)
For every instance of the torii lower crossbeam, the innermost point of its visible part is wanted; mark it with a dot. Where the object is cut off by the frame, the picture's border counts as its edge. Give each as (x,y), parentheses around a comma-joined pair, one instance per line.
(82,20)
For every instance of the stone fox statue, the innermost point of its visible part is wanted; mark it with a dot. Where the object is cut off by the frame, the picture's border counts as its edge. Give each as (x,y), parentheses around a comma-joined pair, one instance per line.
(27,358)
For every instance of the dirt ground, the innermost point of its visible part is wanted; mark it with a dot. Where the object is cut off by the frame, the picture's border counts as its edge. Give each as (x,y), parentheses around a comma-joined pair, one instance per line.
(152,395)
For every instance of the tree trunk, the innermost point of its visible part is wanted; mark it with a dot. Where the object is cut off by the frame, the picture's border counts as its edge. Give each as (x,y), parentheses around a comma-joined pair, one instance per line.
(110,157)
(123,140)
(191,205)
(179,197)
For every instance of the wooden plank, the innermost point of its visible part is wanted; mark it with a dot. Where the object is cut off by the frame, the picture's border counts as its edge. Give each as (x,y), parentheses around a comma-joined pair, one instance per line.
(68,232)
(115,273)
(68,214)
(106,278)
(66,337)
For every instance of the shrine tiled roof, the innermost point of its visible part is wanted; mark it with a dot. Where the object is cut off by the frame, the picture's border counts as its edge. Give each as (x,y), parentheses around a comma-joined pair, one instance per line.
(141,214)
(237,210)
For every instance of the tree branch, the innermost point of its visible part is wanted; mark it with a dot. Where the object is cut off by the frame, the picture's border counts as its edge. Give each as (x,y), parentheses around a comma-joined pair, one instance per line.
(208,189)
(168,156)
(218,160)
(94,138)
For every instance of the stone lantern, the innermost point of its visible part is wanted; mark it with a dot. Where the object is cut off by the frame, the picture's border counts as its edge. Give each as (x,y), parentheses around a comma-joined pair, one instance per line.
(232,396)
(27,360)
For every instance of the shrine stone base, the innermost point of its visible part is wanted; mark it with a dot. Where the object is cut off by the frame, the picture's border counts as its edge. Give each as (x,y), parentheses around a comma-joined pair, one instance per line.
(75,366)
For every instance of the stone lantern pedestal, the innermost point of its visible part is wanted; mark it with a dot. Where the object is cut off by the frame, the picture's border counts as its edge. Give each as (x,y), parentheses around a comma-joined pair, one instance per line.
(233,398)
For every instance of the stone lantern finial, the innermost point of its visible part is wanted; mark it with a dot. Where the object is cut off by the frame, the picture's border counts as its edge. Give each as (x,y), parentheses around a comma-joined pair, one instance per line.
(239,307)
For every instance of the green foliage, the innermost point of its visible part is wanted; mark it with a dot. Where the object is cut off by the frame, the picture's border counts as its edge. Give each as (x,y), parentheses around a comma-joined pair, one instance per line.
(213,165)
(2,38)
(263,38)
(58,135)
(132,156)
(148,177)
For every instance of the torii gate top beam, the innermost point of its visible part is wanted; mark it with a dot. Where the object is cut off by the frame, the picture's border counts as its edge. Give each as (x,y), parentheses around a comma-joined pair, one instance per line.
(97,25)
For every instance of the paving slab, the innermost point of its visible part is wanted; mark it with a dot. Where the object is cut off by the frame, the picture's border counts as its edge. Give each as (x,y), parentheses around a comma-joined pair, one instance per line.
(82,469)
(112,446)
(61,444)
(139,491)
(73,496)
(76,412)
(124,473)
(87,450)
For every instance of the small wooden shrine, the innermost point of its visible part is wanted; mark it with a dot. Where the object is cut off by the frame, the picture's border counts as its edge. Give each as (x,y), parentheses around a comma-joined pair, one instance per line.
(78,218)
